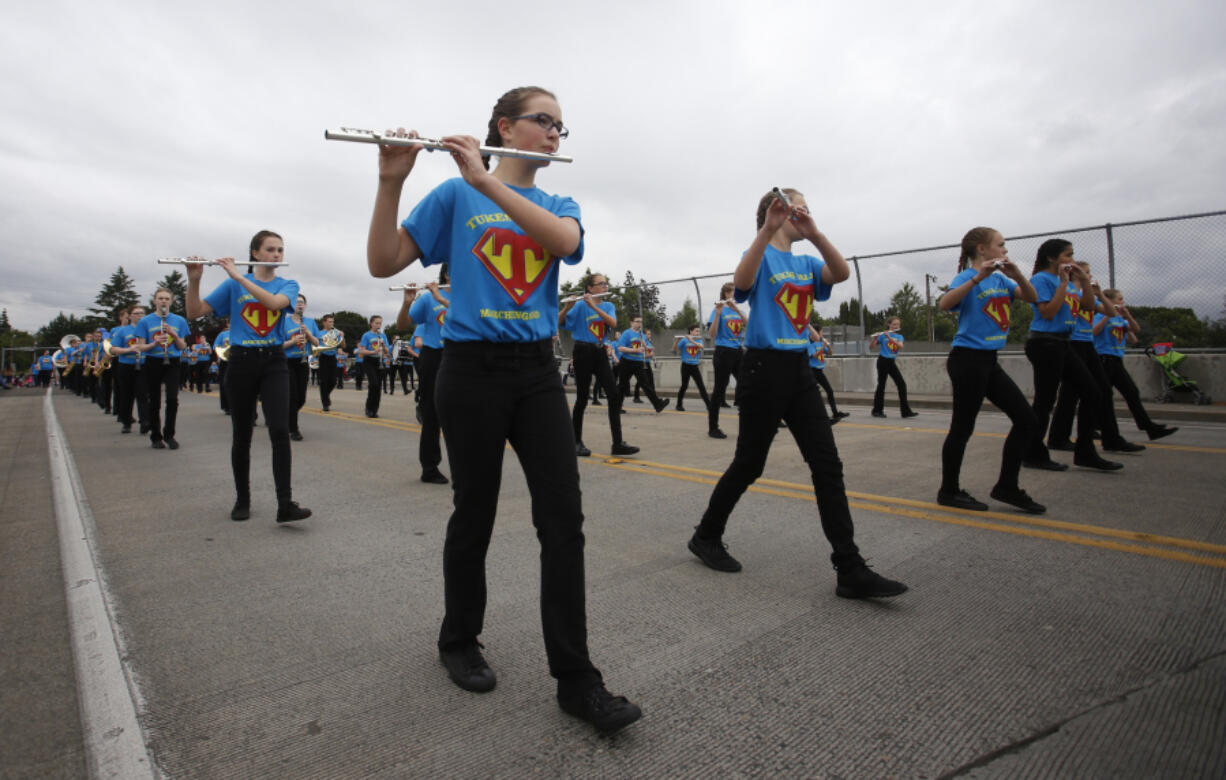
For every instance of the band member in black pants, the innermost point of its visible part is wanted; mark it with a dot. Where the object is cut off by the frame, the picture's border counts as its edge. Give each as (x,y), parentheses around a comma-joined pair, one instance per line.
(161,339)
(299,334)
(327,362)
(371,350)
(633,348)
(427,312)
(726,330)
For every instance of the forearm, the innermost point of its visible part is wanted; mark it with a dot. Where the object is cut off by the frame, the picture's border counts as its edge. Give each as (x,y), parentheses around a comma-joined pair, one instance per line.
(195,305)
(388,249)
(836,269)
(747,269)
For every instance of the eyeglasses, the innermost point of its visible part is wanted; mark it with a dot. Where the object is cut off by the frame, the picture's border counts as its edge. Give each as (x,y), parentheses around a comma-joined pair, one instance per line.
(545,121)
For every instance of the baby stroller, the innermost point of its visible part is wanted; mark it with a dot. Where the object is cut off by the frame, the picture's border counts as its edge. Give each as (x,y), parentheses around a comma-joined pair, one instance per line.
(1168,360)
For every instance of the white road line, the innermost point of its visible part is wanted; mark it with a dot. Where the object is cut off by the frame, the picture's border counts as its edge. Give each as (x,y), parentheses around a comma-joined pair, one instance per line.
(114,742)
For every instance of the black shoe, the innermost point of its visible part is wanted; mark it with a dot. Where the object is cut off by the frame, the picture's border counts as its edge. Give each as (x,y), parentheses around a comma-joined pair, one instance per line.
(960,500)
(434,477)
(858,581)
(288,513)
(621,411)
(371,415)
(597,403)
(327,408)
(126,429)
(680,408)
(1018,498)
(841,415)
(910,413)
(1123,446)
(716,433)
(1061,446)
(467,668)
(295,435)
(621,448)
(638,400)
(1045,465)
(725,405)
(1158,431)
(158,445)
(597,706)
(241,511)
(878,414)
(1096,462)
(664,402)
(714,554)
(581,451)
(834,420)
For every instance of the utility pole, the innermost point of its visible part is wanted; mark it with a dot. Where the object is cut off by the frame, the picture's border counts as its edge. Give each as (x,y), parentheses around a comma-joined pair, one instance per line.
(928,279)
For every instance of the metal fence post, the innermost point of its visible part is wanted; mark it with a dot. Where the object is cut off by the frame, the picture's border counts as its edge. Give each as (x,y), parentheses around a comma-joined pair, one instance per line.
(1110,257)
(699,294)
(860,306)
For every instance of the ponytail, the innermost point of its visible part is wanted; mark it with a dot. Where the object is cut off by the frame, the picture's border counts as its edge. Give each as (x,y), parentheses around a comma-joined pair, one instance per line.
(974,238)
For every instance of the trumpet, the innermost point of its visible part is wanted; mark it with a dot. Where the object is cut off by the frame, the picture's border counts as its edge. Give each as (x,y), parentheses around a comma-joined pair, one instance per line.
(201,261)
(416,287)
(371,137)
(573,298)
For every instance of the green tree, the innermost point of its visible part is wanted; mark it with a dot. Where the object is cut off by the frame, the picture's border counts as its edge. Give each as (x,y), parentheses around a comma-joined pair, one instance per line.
(177,284)
(907,305)
(63,325)
(1020,316)
(686,318)
(353,325)
(5,327)
(14,338)
(1165,323)
(118,293)
(627,298)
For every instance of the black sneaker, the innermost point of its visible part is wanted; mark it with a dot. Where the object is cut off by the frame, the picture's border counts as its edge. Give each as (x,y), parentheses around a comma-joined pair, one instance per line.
(467,668)
(1061,446)
(126,429)
(1045,465)
(714,554)
(295,435)
(664,402)
(158,445)
(434,477)
(879,414)
(858,581)
(288,513)
(716,433)
(597,706)
(581,450)
(1018,498)
(961,500)
(1123,445)
(638,400)
(1159,431)
(841,415)
(241,511)
(171,443)
(622,448)
(910,413)
(597,403)
(680,408)
(1096,462)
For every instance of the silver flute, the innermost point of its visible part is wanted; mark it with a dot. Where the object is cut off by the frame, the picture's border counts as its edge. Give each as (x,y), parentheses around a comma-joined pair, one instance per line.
(194,261)
(782,196)
(416,287)
(371,137)
(573,298)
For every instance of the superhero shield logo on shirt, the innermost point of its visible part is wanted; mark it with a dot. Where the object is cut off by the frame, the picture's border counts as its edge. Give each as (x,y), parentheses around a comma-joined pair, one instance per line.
(442,315)
(693,350)
(997,309)
(517,262)
(1073,301)
(796,302)
(1118,334)
(596,328)
(735,326)
(892,344)
(259,318)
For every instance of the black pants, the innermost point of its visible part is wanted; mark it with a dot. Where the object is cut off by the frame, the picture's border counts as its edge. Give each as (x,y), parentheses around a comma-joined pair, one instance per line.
(727,364)
(374,384)
(775,385)
(130,390)
(488,395)
(1067,401)
(222,368)
(387,378)
(407,382)
(44,378)
(1120,378)
(106,387)
(327,379)
(690,371)
(428,450)
(888,367)
(976,374)
(1053,362)
(259,373)
(158,374)
(637,369)
(819,375)
(590,360)
(298,374)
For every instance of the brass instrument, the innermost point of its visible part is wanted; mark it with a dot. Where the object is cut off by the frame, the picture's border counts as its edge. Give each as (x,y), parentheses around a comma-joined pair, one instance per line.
(105,362)
(223,353)
(331,340)
(65,344)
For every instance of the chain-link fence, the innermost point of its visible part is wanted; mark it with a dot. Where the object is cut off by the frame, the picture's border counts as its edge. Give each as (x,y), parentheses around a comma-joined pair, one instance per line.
(1174,264)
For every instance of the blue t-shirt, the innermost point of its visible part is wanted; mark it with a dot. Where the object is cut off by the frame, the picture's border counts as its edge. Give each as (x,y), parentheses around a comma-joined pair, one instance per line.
(818,354)
(1112,339)
(634,339)
(252,324)
(782,296)
(1047,286)
(289,328)
(429,314)
(890,344)
(151,324)
(585,324)
(983,313)
(731,330)
(45,363)
(203,351)
(690,350)
(1083,321)
(321,333)
(368,340)
(125,336)
(504,285)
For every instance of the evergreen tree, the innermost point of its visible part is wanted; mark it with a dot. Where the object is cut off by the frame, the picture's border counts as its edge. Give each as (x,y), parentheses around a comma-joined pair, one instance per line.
(177,284)
(634,298)
(118,293)
(51,333)
(686,318)
(5,327)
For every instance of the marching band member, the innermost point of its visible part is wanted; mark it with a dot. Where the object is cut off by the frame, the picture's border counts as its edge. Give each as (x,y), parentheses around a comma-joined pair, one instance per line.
(428,311)
(161,339)
(502,237)
(689,347)
(633,348)
(727,331)
(328,364)
(1110,337)
(889,343)
(371,350)
(187,364)
(255,303)
(775,383)
(45,366)
(589,321)
(297,330)
(124,343)
(819,351)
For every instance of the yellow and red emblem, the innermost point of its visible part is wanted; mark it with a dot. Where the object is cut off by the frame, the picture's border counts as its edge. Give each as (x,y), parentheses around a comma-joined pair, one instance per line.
(997,309)
(259,318)
(796,302)
(515,261)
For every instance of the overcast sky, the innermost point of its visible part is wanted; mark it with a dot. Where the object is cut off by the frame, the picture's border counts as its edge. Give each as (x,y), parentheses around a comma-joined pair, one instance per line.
(139,130)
